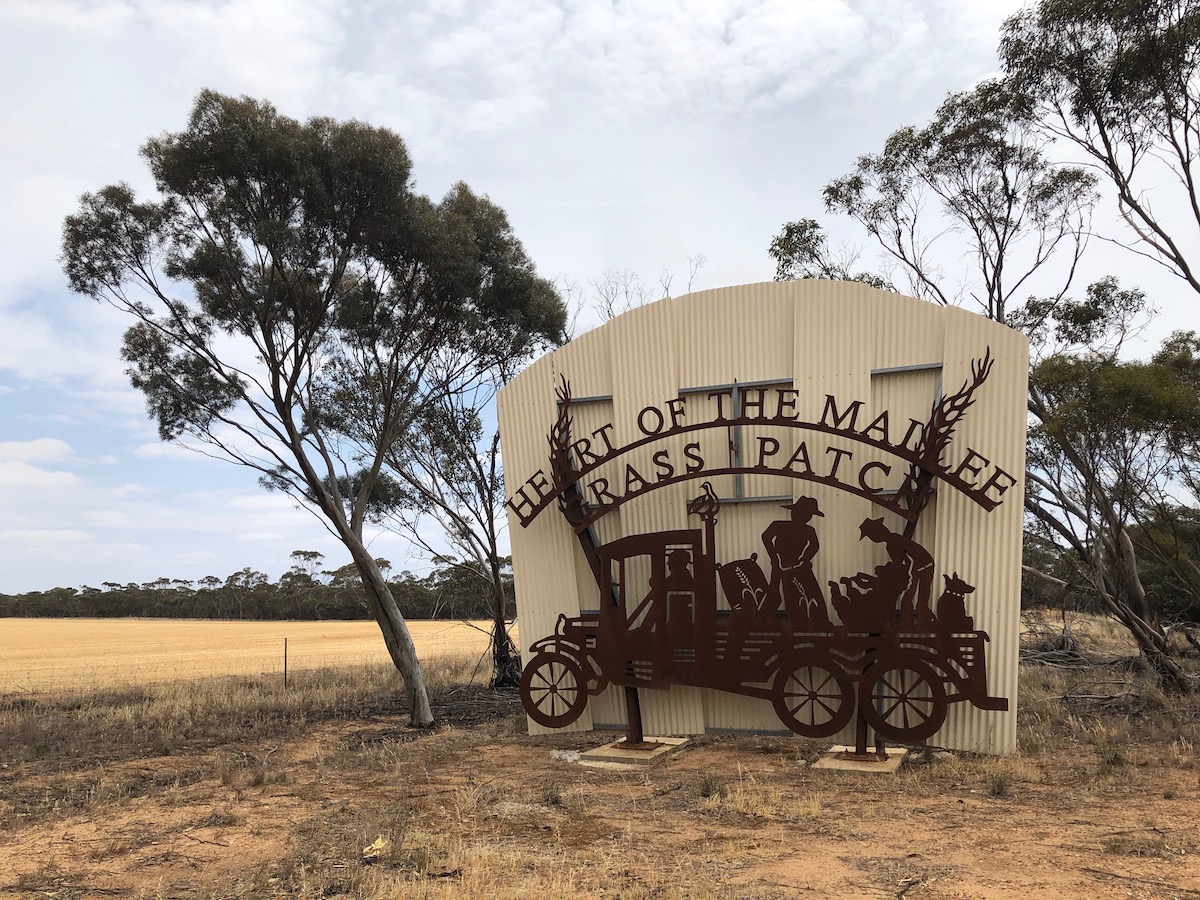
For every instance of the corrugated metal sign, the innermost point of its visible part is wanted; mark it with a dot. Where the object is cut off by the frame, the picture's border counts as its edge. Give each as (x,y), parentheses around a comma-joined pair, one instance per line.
(785,506)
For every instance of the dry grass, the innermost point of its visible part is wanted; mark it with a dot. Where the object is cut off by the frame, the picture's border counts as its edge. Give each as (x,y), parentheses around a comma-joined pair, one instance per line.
(174,717)
(747,796)
(237,788)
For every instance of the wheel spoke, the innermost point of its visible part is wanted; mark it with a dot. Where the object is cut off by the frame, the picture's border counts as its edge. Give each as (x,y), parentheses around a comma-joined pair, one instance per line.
(828,678)
(811,698)
(562,673)
(810,714)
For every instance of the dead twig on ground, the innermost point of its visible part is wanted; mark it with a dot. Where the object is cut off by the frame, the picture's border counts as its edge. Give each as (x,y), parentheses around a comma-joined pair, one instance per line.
(192,837)
(1074,692)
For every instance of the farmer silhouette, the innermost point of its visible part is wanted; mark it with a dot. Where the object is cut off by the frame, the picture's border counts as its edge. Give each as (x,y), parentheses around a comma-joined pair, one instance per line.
(903,581)
(791,546)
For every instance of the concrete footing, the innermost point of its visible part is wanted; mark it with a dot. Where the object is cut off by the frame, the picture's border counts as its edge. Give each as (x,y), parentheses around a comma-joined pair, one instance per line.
(844,759)
(620,753)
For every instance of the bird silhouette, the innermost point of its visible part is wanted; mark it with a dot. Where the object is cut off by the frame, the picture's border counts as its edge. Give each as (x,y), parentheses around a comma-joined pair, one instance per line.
(706,504)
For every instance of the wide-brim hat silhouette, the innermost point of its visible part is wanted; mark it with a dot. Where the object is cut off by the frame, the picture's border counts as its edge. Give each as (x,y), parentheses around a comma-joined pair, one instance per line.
(870,526)
(805,506)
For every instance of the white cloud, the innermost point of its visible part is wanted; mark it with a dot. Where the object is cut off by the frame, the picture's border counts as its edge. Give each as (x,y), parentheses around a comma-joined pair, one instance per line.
(21,474)
(46,536)
(261,536)
(108,518)
(45,341)
(128,490)
(40,450)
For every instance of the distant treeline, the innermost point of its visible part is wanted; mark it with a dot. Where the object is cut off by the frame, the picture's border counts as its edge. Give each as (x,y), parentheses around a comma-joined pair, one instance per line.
(304,592)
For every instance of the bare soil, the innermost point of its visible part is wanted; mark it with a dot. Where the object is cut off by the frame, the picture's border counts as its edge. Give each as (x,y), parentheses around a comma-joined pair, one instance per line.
(1100,802)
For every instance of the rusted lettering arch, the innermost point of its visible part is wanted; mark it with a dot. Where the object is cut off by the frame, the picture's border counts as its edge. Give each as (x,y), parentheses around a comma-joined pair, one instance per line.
(953,479)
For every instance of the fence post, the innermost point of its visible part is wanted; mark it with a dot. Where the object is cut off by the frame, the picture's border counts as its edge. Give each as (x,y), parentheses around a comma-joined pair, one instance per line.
(285,662)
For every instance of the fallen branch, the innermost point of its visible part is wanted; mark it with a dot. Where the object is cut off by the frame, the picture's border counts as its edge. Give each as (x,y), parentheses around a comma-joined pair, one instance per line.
(192,837)
(1073,692)
(1057,659)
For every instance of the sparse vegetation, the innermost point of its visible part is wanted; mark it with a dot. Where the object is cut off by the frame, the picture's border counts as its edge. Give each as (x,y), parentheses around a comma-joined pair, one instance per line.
(237,788)
(999,784)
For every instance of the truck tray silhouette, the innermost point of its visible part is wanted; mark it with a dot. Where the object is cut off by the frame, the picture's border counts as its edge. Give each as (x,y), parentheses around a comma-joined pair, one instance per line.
(665,629)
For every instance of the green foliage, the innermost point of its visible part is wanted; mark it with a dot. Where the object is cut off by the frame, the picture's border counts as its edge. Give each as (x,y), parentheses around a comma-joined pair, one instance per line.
(1168,541)
(1125,67)
(1099,322)
(999,784)
(1120,80)
(801,250)
(981,159)
(1113,449)
(321,288)
(1102,400)
(297,306)
(450,591)
(1043,555)
(1119,422)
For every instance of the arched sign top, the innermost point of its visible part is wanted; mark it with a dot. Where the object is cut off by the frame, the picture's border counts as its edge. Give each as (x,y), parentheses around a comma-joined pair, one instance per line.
(921,448)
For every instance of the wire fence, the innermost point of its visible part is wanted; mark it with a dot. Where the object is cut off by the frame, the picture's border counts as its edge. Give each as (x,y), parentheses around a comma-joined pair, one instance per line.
(75,656)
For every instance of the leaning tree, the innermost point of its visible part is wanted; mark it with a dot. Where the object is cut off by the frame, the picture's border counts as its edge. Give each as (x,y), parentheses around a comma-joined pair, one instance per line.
(1120,82)
(291,295)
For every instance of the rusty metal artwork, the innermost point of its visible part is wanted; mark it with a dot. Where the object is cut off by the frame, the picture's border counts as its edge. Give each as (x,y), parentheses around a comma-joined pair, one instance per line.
(878,643)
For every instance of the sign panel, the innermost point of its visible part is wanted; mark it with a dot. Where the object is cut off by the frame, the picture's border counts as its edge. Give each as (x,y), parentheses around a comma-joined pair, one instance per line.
(780,506)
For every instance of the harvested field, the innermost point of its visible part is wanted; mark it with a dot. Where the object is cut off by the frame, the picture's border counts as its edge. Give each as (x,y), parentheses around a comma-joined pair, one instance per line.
(237,788)
(65,655)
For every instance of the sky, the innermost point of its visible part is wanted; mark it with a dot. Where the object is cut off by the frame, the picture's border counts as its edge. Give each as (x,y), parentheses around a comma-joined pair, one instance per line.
(617,136)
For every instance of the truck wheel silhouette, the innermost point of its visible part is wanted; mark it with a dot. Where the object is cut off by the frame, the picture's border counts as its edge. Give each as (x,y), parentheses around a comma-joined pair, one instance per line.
(904,701)
(553,690)
(813,697)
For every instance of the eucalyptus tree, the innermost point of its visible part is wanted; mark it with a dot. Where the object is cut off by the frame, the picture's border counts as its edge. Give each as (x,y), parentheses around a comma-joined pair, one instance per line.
(1121,82)
(290,295)
(1008,212)
(1102,452)
(1001,205)
(801,250)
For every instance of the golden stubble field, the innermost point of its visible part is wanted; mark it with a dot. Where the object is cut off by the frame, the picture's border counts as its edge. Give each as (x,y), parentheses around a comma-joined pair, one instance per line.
(41,655)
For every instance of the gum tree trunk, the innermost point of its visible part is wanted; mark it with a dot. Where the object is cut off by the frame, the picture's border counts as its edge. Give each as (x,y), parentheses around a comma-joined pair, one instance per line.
(395,631)
(506,659)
